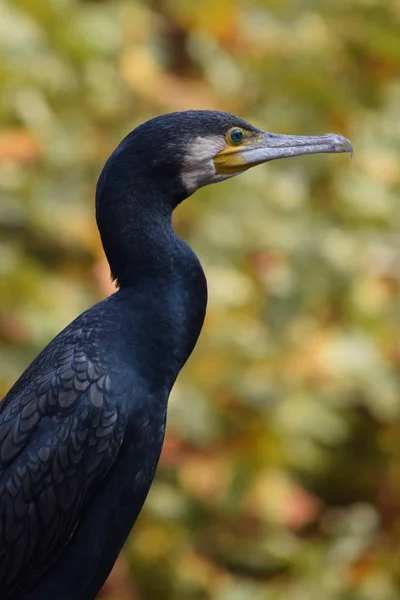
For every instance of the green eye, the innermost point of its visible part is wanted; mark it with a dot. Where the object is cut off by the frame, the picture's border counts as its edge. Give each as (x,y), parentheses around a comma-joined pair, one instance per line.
(235,136)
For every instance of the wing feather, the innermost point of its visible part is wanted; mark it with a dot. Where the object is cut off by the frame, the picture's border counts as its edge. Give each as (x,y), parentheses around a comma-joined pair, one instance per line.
(60,433)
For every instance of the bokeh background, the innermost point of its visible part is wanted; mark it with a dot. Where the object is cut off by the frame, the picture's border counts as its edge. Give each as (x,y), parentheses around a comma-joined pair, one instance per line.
(280,476)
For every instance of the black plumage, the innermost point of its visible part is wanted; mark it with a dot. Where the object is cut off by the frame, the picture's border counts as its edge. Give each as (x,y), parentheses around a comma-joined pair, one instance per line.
(82,429)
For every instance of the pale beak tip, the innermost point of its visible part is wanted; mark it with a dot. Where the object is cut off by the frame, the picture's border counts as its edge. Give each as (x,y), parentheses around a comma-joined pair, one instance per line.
(341,144)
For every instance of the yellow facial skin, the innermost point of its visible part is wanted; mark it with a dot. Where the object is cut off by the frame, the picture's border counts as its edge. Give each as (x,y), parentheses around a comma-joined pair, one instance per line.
(230,160)
(215,157)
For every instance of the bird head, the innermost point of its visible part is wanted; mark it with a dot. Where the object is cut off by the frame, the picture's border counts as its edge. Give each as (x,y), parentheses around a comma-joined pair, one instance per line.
(165,160)
(184,151)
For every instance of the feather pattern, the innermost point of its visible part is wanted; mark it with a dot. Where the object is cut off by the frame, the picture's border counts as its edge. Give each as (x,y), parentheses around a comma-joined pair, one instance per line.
(60,433)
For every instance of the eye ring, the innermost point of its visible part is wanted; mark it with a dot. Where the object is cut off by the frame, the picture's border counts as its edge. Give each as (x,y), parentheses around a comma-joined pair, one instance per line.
(235,136)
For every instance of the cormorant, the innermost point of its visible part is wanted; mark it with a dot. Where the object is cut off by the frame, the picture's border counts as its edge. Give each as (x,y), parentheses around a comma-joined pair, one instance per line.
(81,431)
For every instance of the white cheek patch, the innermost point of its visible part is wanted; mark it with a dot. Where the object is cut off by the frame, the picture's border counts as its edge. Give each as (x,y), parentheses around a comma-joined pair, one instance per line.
(198,169)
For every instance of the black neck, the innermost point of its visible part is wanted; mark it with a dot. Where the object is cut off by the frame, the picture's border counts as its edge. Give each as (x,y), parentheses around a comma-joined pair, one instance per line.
(136,232)
(159,275)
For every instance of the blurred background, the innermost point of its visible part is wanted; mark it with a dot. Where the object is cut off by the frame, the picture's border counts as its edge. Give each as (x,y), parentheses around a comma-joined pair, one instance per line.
(280,475)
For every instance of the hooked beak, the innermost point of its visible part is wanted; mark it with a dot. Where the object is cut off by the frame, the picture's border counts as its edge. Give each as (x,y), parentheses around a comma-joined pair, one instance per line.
(264,147)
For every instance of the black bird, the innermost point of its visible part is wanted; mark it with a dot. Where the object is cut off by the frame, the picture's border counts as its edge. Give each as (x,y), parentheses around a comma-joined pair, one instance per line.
(82,429)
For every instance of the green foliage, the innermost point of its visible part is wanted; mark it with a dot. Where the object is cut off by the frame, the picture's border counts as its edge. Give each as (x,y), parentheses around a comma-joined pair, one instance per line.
(280,476)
